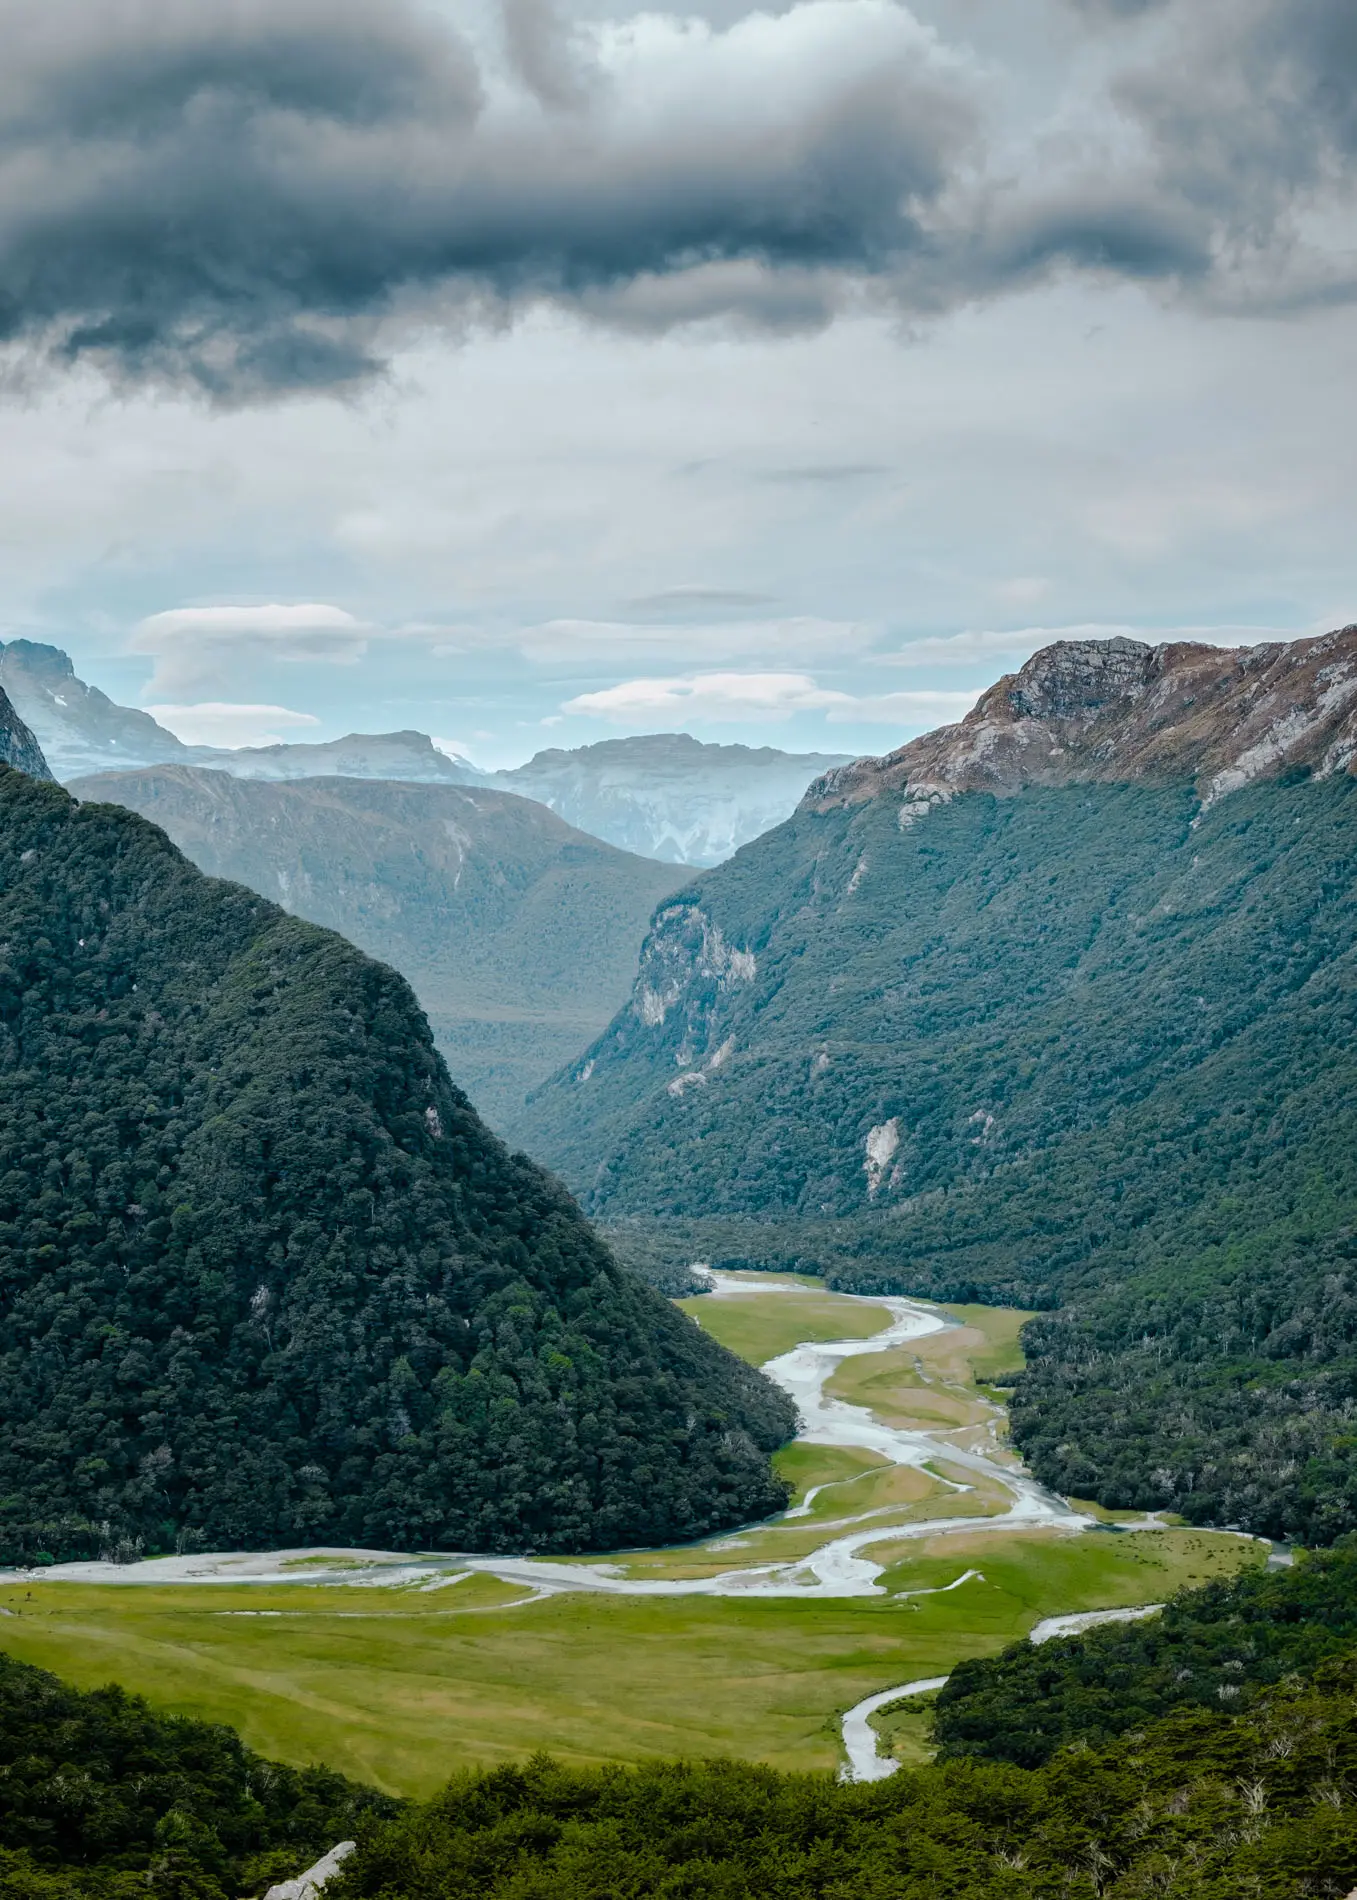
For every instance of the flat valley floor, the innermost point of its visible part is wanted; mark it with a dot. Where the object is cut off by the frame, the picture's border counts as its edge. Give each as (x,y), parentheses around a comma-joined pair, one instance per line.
(891,1565)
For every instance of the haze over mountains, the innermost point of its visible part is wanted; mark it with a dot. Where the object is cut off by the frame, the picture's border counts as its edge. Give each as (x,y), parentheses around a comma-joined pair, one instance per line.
(665,796)
(1057,1006)
(518,934)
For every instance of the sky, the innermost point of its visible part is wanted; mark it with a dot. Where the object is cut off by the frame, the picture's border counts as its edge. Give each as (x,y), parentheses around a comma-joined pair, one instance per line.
(529,377)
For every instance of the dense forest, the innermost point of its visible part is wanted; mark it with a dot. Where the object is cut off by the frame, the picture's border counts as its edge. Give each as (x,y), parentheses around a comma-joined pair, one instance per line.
(265,1279)
(1209,1754)
(1091,1049)
(101,1798)
(1223,1645)
(518,934)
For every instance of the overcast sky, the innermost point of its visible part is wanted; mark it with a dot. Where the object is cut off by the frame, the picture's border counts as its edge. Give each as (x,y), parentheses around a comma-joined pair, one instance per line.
(528,378)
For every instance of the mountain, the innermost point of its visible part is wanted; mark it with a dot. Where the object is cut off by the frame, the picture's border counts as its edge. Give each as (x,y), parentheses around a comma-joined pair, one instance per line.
(18,747)
(82,731)
(79,728)
(667,795)
(411,757)
(1056,1007)
(267,1278)
(519,935)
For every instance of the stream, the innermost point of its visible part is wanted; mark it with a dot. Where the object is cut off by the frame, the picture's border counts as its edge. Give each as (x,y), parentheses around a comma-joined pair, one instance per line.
(840,1567)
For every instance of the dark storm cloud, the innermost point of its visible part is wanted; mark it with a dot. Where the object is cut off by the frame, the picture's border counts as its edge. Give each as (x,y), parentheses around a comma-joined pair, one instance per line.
(235,192)
(244,195)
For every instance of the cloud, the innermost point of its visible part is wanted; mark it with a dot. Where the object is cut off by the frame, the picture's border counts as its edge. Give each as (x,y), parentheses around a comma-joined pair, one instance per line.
(197,649)
(826,473)
(233,194)
(704,697)
(222,723)
(248,197)
(694,599)
(899,709)
(581,642)
(969,649)
(713,698)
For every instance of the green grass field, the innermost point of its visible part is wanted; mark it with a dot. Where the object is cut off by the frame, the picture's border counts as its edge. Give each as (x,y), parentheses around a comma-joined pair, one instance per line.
(761,1326)
(400,1686)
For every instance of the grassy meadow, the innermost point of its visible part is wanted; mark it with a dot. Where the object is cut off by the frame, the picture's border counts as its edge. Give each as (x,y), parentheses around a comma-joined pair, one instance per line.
(400,1685)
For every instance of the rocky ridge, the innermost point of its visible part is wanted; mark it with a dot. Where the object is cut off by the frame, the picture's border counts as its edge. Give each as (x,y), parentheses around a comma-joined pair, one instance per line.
(667,795)
(18,747)
(1123,711)
(82,730)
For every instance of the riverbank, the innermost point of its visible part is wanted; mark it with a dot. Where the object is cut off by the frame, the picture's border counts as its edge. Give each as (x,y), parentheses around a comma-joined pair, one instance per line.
(900,1556)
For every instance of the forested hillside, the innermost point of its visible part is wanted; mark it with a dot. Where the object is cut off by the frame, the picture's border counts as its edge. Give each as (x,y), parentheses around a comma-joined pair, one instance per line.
(264,1276)
(102,1799)
(1086,1045)
(518,934)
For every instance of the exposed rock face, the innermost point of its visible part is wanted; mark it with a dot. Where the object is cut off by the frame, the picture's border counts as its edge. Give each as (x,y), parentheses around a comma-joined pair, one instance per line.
(1119,710)
(18,747)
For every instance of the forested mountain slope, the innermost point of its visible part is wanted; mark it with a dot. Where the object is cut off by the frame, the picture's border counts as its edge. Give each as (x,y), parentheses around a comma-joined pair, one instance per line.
(1058,1007)
(265,1278)
(518,934)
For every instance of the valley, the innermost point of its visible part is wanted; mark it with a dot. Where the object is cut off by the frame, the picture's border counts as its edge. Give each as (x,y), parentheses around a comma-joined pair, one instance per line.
(913,1540)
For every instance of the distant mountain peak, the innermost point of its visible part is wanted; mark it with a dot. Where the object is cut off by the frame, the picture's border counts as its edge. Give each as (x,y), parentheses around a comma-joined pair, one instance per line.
(1121,710)
(668,795)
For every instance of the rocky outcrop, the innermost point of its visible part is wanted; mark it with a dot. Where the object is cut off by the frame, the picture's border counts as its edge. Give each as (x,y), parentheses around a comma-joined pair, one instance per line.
(308,1886)
(18,747)
(1119,710)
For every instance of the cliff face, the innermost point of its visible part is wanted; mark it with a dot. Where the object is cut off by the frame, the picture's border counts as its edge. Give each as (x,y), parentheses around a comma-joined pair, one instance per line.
(1118,710)
(18,747)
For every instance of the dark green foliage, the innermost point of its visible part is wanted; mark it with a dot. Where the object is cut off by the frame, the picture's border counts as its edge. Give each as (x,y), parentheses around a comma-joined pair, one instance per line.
(1208,1648)
(518,935)
(264,1276)
(1203,1806)
(1118,1039)
(100,1796)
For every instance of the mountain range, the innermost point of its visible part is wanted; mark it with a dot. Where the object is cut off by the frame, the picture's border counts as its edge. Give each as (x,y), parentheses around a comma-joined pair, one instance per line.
(666,796)
(82,730)
(518,934)
(1054,1007)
